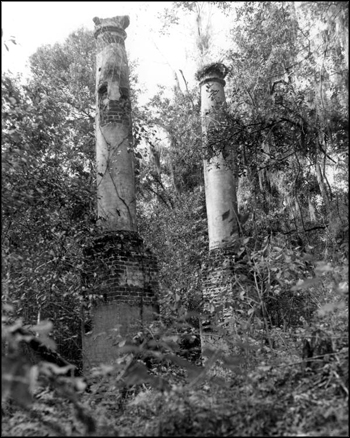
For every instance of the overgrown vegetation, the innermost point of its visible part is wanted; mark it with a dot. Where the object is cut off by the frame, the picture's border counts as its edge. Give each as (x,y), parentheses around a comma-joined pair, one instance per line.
(287,123)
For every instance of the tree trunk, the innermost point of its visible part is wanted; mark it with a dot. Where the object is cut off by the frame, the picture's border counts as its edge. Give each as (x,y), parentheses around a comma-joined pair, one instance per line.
(322,186)
(114,155)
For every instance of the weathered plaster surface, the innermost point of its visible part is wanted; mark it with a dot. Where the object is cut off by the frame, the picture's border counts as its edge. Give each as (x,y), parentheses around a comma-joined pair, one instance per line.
(120,276)
(220,193)
(114,153)
(220,189)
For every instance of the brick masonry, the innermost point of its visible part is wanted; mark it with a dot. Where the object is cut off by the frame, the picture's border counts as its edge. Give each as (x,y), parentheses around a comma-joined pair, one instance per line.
(219,296)
(115,111)
(120,277)
(110,110)
(217,274)
(110,36)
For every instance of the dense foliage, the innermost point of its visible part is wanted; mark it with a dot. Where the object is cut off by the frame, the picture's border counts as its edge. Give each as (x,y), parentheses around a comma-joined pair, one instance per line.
(286,121)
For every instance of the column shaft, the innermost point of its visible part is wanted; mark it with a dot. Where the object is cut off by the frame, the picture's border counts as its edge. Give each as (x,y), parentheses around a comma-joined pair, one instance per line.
(114,154)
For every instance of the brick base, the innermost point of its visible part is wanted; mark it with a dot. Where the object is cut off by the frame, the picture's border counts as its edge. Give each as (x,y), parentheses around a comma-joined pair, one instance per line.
(217,280)
(120,283)
(219,296)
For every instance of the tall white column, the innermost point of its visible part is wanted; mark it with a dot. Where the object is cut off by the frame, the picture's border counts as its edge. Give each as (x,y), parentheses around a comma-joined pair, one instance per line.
(114,154)
(220,184)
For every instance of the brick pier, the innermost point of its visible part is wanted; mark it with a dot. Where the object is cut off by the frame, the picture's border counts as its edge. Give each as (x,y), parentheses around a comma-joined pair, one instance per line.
(121,280)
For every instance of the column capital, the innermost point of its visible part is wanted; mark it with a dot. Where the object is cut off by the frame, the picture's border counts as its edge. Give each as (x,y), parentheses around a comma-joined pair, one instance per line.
(116,24)
(214,72)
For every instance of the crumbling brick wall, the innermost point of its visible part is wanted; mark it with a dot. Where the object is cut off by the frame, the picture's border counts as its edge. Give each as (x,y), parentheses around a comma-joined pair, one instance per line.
(219,296)
(113,111)
(225,276)
(120,277)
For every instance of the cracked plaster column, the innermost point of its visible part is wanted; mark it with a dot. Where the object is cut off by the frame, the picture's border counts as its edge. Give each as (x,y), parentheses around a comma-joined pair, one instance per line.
(221,203)
(220,184)
(114,155)
(120,275)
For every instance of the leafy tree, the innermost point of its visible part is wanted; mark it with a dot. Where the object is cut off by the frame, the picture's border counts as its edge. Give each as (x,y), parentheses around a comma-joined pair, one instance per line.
(48,190)
(171,198)
(46,212)
(272,83)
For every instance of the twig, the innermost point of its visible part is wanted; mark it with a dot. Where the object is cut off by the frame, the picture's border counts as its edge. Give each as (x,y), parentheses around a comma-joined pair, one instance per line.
(341,383)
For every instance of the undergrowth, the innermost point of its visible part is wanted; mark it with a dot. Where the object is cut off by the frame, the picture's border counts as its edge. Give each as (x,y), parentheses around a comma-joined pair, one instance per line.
(286,380)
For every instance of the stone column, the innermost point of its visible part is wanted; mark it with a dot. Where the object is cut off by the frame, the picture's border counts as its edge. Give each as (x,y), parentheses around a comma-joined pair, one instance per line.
(220,184)
(114,155)
(120,275)
(221,203)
